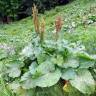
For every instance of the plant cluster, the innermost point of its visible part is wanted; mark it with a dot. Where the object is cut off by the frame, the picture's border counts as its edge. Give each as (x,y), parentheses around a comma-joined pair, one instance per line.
(44,64)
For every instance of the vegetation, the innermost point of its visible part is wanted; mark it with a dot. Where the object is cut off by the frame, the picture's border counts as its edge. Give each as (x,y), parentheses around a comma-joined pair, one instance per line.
(11,10)
(33,64)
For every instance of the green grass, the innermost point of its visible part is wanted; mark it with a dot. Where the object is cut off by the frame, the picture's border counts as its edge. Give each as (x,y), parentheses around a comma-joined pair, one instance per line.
(20,33)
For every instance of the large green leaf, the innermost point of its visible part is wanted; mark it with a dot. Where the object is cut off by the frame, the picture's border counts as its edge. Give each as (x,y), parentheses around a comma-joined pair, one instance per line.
(41,58)
(14,68)
(25,76)
(49,79)
(46,80)
(84,55)
(28,51)
(14,63)
(68,74)
(50,46)
(27,82)
(85,63)
(71,62)
(42,69)
(32,67)
(84,81)
(45,67)
(14,86)
(14,72)
(58,60)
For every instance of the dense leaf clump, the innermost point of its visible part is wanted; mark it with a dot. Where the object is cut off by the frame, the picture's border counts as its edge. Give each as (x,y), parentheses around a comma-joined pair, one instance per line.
(47,63)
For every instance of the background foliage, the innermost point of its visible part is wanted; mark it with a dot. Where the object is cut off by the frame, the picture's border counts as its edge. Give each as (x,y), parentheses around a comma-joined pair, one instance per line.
(18,9)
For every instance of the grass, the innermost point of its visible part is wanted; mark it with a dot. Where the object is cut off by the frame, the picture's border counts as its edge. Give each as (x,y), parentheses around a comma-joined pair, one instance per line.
(21,32)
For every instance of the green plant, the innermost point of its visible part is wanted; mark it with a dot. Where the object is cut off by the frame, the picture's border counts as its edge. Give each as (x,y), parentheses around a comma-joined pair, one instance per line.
(15,71)
(44,64)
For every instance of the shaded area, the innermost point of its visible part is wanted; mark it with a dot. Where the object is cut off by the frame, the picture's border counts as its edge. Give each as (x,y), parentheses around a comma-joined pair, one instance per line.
(12,10)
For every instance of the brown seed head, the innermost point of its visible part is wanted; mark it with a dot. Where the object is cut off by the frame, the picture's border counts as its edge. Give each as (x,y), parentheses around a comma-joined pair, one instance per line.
(42,30)
(35,18)
(58,23)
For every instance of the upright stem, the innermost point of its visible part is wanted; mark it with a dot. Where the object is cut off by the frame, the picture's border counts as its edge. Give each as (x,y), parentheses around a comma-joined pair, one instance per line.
(42,30)
(35,19)
(58,26)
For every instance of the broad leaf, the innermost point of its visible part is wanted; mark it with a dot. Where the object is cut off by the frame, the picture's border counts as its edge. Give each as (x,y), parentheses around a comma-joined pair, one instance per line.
(14,86)
(28,51)
(32,67)
(85,63)
(25,76)
(14,72)
(49,79)
(46,80)
(68,74)
(84,81)
(15,63)
(71,62)
(85,55)
(50,46)
(57,60)
(46,67)
(41,58)
(29,83)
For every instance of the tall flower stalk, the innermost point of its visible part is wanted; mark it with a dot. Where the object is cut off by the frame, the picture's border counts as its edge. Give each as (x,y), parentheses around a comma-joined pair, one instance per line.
(35,18)
(42,29)
(58,25)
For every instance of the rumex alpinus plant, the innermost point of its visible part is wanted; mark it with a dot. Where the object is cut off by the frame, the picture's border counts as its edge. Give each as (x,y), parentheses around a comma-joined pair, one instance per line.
(44,65)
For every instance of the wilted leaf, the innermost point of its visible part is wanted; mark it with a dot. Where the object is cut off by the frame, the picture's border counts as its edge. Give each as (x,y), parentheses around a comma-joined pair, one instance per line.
(67,87)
